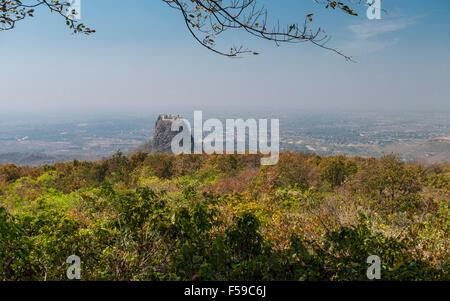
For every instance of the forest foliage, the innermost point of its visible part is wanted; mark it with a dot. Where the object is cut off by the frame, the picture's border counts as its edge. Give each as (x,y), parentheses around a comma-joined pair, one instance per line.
(225,217)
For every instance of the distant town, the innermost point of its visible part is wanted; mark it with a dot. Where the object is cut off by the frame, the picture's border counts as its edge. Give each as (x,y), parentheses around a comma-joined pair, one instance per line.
(414,136)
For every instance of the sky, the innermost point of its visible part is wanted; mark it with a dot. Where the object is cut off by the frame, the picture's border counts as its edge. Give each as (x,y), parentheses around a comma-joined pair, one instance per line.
(143,58)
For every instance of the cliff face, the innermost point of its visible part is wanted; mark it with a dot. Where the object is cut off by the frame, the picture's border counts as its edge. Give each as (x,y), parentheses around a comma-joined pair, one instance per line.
(162,136)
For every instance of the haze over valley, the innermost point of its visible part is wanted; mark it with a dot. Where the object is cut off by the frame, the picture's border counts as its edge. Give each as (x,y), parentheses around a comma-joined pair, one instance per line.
(414,136)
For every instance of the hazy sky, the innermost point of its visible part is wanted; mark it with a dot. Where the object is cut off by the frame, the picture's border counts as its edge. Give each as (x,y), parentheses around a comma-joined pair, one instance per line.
(142,58)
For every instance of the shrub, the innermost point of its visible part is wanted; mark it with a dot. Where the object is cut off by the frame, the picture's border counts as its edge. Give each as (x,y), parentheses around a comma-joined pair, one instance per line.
(335,170)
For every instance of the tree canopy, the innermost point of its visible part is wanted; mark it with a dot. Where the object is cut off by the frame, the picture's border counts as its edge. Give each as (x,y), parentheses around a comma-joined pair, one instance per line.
(225,217)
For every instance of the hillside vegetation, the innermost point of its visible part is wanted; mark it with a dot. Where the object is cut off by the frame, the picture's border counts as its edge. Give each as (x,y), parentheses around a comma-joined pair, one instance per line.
(224,217)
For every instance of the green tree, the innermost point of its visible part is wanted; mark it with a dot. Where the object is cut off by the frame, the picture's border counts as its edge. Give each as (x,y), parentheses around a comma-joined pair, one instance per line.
(335,170)
(390,182)
(15,250)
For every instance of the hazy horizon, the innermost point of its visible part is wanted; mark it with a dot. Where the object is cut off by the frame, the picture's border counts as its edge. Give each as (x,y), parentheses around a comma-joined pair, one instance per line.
(150,61)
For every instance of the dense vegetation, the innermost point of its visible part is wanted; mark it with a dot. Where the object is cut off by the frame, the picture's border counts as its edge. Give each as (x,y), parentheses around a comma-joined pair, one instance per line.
(198,217)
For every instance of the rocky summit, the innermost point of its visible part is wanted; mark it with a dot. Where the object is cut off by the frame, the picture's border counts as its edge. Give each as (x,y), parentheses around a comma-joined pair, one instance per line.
(162,136)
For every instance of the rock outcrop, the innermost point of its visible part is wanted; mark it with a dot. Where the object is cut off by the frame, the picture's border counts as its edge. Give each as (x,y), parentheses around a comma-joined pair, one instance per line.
(163,135)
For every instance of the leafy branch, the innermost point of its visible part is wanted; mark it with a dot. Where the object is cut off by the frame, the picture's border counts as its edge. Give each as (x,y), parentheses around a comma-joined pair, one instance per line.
(208,19)
(13,11)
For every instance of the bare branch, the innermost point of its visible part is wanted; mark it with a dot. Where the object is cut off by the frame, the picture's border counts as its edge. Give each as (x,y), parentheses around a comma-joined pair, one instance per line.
(208,19)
